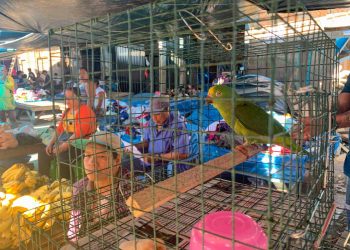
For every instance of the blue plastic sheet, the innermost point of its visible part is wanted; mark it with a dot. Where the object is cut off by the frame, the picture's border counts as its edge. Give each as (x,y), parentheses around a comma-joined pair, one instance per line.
(141,99)
(288,168)
(209,115)
(184,106)
(127,138)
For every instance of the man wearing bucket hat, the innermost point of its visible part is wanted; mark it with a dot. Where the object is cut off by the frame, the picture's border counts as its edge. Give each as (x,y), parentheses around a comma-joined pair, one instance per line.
(101,195)
(165,138)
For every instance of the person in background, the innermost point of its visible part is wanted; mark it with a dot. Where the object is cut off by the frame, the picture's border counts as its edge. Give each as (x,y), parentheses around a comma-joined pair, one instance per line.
(164,138)
(87,87)
(78,121)
(46,77)
(44,81)
(191,91)
(7,100)
(58,86)
(312,127)
(31,76)
(100,98)
(19,80)
(101,194)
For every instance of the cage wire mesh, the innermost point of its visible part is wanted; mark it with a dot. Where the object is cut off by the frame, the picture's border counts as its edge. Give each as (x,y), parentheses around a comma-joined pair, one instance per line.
(337,235)
(282,62)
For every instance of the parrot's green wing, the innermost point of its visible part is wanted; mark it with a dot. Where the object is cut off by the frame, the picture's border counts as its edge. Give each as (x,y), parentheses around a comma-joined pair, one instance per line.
(255,119)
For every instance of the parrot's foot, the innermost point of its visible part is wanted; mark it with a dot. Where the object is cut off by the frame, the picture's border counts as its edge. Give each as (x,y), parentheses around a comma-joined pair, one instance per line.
(247,149)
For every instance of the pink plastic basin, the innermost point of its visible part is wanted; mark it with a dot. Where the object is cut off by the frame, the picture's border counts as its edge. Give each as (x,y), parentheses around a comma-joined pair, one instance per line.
(220,223)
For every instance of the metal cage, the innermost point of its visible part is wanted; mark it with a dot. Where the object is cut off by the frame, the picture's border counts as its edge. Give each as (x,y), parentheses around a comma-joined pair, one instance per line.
(282,62)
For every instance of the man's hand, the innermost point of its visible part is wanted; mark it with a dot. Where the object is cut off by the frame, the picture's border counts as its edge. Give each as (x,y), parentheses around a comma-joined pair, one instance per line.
(63,147)
(148,158)
(306,129)
(49,149)
(7,140)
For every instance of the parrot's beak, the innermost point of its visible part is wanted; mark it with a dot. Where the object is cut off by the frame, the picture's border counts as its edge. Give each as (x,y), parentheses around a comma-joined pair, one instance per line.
(208,100)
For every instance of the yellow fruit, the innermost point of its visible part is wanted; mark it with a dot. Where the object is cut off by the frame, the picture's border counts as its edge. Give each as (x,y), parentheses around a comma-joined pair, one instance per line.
(4,212)
(10,172)
(5,243)
(25,233)
(34,214)
(68,189)
(7,234)
(54,184)
(66,213)
(49,223)
(5,225)
(20,173)
(40,192)
(14,228)
(42,180)
(14,187)
(30,180)
(15,242)
(16,172)
(64,181)
(65,196)
(53,194)
(143,244)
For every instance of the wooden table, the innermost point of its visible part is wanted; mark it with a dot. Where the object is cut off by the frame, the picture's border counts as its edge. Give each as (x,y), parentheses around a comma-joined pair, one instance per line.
(31,108)
(24,150)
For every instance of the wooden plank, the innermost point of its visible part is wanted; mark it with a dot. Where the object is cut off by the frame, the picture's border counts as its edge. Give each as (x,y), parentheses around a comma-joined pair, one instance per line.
(154,196)
(21,151)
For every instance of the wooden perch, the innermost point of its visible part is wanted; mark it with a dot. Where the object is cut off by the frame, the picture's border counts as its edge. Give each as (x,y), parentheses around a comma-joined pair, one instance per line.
(148,199)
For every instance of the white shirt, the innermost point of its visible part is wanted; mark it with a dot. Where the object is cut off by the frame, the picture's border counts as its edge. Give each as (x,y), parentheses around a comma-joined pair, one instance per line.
(97,93)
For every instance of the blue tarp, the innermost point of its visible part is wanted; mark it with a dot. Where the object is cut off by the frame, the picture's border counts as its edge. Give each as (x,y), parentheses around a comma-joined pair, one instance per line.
(209,115)
(288,168)
(141,99)
(340,43)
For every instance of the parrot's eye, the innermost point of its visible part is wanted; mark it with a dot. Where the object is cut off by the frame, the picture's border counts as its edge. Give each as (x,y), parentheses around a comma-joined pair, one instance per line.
(218,93)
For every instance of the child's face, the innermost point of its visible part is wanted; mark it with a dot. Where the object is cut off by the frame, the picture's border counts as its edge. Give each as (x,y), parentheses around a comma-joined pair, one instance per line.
(99,163)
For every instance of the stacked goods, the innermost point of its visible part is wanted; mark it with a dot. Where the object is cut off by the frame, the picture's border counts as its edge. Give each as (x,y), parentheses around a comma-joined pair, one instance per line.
(27,193)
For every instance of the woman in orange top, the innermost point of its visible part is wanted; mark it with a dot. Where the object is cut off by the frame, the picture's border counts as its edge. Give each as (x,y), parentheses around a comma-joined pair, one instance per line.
(78,121)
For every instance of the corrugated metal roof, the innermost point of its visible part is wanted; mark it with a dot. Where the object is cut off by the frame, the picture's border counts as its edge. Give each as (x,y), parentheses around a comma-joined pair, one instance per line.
(38,16)
(284,6)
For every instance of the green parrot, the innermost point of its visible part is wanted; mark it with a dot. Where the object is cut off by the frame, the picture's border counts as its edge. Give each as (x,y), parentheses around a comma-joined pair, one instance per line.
(250,120)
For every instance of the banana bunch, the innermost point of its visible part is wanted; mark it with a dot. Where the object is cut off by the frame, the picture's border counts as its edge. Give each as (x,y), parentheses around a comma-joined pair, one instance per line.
(19,177)
(29,194)
(19,231)
(14,173)
(57,191)
(58,196)
(7,221)
(40,193)
(13,178)
(62,211)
